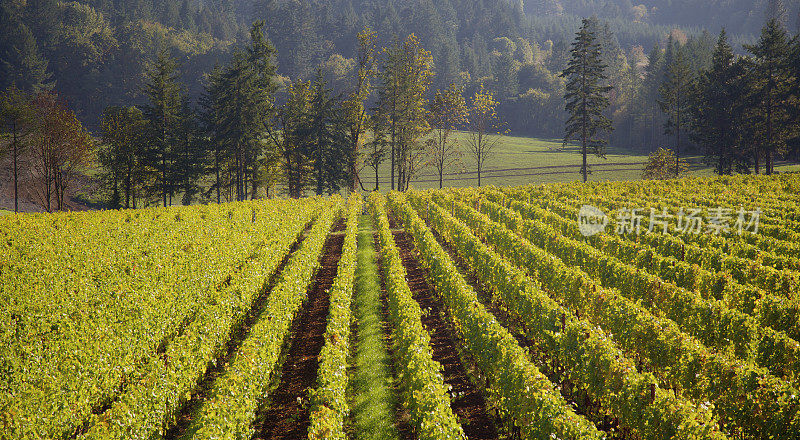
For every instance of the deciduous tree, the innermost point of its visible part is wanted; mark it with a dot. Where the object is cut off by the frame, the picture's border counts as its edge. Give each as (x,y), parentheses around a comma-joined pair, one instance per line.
(354,106)
(483,128)
(17,122)
(405,77)
(661,165)
(448,111)
(59,148)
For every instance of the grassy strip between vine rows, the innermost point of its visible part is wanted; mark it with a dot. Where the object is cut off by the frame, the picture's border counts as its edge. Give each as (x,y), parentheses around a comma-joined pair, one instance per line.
(524,394)
(329,407)
(230,412)
(421,381)
(591,360)
(710,321)
(776,312)
(149,406)
(744,397)
(374,401)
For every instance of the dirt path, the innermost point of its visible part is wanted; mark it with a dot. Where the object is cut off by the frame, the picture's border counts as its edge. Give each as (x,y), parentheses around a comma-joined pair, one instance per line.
(468,403)
(285,416)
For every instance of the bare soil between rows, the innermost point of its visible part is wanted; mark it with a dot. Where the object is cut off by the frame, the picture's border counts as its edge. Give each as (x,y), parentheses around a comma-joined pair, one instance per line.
(286,414)
(467,402)
(548,365)
(216,368)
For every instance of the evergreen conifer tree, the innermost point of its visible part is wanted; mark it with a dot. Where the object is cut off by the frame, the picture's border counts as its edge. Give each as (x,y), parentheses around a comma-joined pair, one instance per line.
(675,95)
(769,81)
(586,96)
(163,115)
(717,112)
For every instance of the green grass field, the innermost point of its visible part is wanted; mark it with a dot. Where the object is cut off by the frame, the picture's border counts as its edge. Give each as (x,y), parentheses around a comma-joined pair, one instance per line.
(521,160)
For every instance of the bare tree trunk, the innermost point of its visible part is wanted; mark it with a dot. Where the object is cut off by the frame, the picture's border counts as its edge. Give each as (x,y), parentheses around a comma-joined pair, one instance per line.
(16,177)
(678,146)
(216,171)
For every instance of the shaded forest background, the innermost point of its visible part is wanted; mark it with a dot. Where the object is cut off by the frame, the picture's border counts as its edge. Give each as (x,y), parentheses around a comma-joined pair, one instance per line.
(95,52)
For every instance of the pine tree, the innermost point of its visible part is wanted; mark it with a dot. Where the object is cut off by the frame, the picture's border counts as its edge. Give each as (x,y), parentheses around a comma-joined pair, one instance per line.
(675,95)
(717,112)
(190,155)
(242,95)
(163,115)
(586,97)
(325,130)
(212,120)
(288,137)
(646,110)
(770,80)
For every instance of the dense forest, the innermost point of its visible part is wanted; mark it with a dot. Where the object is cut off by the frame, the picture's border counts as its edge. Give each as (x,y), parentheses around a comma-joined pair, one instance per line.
(94,52)
(168,67)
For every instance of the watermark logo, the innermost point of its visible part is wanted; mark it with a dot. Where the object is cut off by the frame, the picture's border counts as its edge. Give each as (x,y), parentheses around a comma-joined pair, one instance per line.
(591,220)
(718,221)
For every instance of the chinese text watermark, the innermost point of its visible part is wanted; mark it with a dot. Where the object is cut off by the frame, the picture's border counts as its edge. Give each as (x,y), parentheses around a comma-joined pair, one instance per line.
(716,221)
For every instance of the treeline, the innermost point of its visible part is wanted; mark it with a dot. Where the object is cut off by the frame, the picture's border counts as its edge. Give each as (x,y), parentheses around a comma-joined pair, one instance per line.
(241,142)
(746,16)
(740,111)
(93,51)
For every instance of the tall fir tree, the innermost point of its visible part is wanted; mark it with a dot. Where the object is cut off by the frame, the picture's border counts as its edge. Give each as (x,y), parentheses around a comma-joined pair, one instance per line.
(586,96)
(287,135)
(242,105)
(189,163)
(769,81)
(717,111)
(163,116)
(325,130)
(121,154)
(212,119)
(675,95)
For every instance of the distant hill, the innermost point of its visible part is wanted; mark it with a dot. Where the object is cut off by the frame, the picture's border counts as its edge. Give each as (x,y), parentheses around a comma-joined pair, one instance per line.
(94,52)
(738,16)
